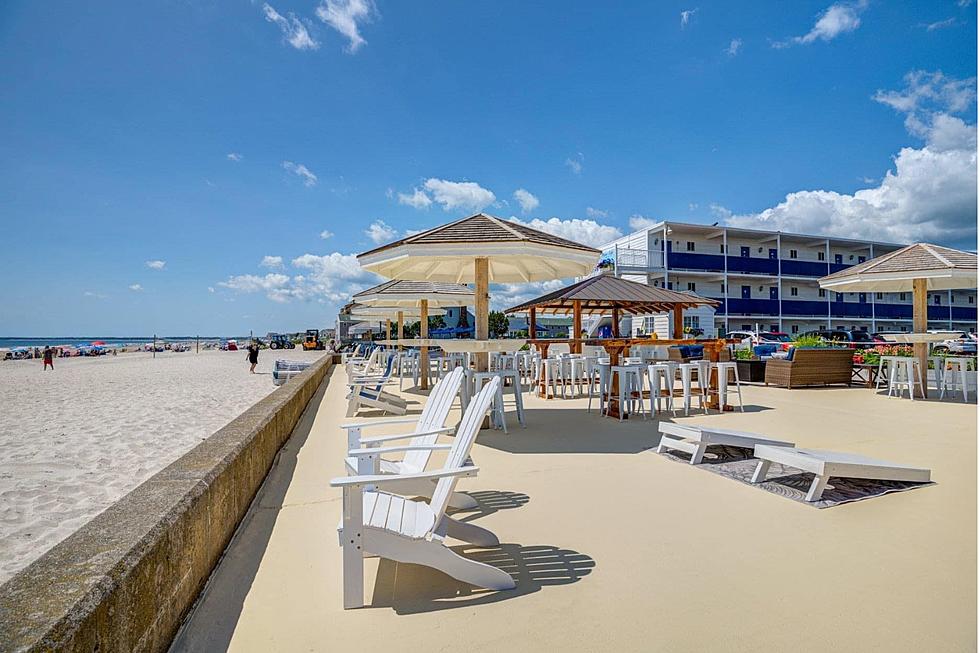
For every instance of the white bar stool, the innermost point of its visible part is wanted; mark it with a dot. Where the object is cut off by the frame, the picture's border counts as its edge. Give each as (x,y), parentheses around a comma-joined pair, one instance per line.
(905,373)
(687,371)
(602,369)
(656,372)
(955,377)
(630,381)
(723,370)
(497,417)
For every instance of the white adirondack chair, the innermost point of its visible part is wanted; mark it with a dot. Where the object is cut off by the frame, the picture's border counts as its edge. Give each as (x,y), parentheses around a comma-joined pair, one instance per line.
(368,391)
(365,366)
(429,426)
(393,527)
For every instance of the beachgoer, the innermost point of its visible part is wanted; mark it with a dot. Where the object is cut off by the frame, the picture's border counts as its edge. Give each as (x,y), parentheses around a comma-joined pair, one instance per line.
(253,356)
(48,358)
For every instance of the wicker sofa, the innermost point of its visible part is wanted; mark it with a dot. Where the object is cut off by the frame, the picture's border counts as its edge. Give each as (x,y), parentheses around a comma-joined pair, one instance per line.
(817,366)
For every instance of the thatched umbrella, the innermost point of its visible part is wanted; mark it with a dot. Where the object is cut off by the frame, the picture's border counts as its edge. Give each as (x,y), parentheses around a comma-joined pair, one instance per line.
(918,268)
(420,295)
(609,294)
(480,249)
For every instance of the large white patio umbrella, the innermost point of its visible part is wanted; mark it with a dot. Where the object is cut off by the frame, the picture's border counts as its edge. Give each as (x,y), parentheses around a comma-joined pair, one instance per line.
(480,249)
(918,269)
(389,313)
(420,295)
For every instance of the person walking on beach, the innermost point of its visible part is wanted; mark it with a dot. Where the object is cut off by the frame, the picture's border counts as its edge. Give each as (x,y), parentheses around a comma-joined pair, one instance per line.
(48,358)
(253,356)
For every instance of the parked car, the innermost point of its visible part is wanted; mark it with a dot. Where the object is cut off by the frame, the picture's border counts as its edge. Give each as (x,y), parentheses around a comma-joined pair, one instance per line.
(963,345)
(742,336)
(853,339)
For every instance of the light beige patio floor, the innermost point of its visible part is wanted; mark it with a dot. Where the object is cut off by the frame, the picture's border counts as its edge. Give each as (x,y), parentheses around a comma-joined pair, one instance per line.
(621,549)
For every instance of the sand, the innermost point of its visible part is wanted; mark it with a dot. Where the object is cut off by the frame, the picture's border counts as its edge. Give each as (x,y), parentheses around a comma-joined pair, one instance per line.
(621,549)
(75,440)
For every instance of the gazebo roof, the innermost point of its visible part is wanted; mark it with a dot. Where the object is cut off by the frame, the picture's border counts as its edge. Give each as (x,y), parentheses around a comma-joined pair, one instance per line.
(402,292)
(516,253)
(602,293)
(943,269)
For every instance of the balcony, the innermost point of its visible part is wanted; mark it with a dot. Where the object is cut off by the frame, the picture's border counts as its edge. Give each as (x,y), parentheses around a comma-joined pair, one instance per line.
(638,260)
(745,264)
(804,268)
(737,306)
(700,262)
(799,307)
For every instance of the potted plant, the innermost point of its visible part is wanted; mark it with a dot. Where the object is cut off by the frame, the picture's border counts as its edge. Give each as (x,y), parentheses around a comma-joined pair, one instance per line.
(750,368)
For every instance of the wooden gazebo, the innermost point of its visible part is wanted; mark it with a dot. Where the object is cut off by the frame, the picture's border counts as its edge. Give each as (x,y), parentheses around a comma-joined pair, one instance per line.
(608,294)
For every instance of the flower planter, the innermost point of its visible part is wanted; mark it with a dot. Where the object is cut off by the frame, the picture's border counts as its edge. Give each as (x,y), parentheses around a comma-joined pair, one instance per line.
(753,371)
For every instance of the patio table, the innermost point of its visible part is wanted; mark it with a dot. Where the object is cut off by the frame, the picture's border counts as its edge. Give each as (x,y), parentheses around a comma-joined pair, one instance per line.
(865,373)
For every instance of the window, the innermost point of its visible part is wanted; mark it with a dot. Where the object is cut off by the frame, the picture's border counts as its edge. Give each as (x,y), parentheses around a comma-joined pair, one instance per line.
(879,295)
(690,286)
(821,256)
(656,283)
(794,291)
(792,253)
(721,248)
(936,300)
(723,288)
(690,246)
(692,321)
(864,328)
(746,327)
(821,293)
(670,285)
(952,299)
(901,297)
(971,299)
(904,328)
(795,328)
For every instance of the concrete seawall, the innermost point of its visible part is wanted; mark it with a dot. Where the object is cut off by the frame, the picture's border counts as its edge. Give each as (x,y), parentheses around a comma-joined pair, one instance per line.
(124,581)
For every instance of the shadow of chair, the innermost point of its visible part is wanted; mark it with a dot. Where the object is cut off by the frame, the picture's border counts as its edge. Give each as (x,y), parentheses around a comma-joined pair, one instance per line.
(414,589)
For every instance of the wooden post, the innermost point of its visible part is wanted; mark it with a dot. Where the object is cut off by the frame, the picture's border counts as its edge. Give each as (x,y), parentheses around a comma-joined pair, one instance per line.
(482,278)
(615,322)
(532,324)
(577,326)
(401,328)
(424,351)
(388,328)
(678,322)
(920,323)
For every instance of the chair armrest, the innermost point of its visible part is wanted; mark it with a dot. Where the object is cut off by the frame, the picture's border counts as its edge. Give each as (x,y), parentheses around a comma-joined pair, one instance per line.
(380,422)
(407,447)
(779,362)
(354,481)
(402,436)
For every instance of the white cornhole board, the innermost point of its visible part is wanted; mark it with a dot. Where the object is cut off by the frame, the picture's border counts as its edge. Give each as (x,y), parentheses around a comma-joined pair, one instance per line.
(824,464)
(694,439)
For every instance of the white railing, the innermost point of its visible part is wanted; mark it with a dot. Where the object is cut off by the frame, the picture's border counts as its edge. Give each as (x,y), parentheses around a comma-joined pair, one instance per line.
(639,258)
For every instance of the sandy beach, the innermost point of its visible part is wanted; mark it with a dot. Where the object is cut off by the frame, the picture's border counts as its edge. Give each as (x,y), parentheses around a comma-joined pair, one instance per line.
(77,439)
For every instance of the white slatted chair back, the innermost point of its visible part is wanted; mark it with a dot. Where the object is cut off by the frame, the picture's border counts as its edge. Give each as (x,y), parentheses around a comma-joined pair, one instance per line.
(372,361)
(370,393)
(558,348)
(433,416)
(466,434)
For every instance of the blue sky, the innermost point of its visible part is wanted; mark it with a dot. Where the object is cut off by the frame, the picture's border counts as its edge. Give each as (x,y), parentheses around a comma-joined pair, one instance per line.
(153,155)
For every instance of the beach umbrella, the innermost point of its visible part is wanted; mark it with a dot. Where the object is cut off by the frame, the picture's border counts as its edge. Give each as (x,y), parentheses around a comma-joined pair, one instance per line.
(918,269)
(388,313)
(423,295)
(480,249)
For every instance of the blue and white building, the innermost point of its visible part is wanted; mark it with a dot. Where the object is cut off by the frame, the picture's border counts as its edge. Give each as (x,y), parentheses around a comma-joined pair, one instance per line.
(769,279)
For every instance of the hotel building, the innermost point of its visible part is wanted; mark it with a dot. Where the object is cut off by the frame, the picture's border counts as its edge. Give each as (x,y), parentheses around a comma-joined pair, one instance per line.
(769,279)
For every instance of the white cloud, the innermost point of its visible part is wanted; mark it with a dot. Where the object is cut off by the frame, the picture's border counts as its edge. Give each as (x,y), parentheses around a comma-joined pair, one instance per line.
(733,47)
(576,163)
(234,156)
(293,29)
(325,234)
(301,171)
(639,222)
(271,262)
(931,195)
(465,195)
(839,18)
(527,201)
(587,232)
(417,200)
(344,16)
(596,213)
(136,287)
(210,288)
(156,264)
(686,16)
(505,295)
(940,24)
(380,232)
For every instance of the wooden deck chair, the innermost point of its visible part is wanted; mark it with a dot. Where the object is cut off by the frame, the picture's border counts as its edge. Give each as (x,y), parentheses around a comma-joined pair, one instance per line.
(399,529)
(368,391)
(429,426)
